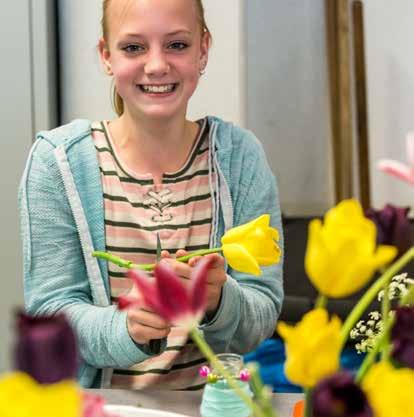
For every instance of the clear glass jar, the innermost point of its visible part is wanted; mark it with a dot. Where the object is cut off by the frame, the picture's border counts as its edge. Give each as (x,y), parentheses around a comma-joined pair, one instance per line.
(219,399)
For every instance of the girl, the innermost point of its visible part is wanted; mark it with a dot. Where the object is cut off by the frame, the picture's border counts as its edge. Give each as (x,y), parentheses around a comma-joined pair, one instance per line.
(113,185)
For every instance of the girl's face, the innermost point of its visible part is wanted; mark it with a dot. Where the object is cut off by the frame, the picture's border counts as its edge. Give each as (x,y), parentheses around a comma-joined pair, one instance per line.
(155,52)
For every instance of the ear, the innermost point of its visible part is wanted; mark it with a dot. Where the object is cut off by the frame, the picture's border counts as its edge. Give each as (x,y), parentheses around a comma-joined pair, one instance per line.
(204,48)
(105,56)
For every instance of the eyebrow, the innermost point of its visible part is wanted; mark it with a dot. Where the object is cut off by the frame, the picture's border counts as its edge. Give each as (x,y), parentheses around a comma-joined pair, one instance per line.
(176,32)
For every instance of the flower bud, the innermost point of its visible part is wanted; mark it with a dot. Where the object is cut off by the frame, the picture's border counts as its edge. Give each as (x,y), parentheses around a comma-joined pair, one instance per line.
(339,396)
(45,348)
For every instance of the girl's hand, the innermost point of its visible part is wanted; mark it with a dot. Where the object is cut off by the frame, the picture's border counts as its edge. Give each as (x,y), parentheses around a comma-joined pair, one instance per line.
(144,325)
(216,276)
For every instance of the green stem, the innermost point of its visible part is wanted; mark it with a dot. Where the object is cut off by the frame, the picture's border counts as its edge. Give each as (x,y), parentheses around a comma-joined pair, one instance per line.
(367,298)
(321,301)
(149,267)
(308,402)
(262,394)
(385,310)
(215,363)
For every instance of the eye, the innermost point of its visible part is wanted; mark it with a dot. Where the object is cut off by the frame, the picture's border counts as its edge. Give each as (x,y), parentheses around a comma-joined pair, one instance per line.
(133,48)
(179,46)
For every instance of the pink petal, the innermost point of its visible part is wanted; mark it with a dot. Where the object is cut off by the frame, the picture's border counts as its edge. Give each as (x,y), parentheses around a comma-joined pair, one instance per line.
(147,289)
(174,300)
(204,371)
(125,301)
(198,289)
(397,169)
(410,147)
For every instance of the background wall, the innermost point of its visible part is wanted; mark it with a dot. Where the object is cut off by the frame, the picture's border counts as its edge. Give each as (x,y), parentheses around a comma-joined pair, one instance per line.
(16,118)
(27,85)
(389,35)
(288,99)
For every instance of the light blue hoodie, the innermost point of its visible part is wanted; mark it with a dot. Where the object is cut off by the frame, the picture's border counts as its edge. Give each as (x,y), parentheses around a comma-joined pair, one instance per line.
(62,222)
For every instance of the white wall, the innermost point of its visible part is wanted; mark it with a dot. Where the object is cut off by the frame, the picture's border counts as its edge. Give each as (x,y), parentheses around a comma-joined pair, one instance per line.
(86,89)
(389,33)
(16,133)
(288,99)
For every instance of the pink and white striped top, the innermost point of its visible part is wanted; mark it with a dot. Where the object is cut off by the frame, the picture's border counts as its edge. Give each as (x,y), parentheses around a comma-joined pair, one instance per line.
(180,211)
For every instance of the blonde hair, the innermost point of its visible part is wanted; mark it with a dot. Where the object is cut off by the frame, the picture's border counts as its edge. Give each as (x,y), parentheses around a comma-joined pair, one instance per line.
(118,103)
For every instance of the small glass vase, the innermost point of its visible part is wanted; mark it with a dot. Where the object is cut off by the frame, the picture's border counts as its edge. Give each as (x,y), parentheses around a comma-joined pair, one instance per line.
(219,400)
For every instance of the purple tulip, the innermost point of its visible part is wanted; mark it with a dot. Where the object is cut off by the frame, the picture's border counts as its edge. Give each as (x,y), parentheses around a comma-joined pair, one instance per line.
(46,348)
(402,336)
(340,396)
(393,226)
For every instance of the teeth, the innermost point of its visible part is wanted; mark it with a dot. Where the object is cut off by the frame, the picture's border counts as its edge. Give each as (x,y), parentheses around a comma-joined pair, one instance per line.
(158,88)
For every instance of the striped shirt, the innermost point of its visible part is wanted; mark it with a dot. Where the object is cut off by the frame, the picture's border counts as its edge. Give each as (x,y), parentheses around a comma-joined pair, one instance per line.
(136,209)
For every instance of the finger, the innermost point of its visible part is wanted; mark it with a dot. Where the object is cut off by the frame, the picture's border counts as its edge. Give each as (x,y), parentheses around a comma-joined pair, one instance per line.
(193,261)
(218,260)
(165,254)
(181,269)
(180,253)
(143,334)
(147,318)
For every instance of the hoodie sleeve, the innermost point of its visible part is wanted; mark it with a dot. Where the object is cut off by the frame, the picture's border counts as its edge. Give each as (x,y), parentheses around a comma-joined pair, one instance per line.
(55,276)
(250,306)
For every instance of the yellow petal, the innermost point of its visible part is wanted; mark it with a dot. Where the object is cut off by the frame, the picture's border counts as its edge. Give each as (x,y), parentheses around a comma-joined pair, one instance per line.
(237,233)
(389,390)
(312,347)
(240,259)
(384,255)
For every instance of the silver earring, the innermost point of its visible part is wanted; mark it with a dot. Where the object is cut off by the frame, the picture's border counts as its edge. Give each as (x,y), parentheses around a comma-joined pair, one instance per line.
(202,71)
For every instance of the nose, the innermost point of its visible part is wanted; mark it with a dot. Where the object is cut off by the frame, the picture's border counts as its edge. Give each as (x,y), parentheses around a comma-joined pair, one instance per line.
(156,63)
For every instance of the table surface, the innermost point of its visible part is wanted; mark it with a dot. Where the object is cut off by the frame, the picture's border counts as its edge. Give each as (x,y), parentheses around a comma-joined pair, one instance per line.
(182,402)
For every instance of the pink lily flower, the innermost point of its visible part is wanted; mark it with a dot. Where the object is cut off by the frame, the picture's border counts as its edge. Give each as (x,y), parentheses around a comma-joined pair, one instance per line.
(398,169)
(168,296)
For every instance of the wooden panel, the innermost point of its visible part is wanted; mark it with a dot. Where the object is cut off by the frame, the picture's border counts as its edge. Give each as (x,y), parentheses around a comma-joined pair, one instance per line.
(361,103)
(337,24)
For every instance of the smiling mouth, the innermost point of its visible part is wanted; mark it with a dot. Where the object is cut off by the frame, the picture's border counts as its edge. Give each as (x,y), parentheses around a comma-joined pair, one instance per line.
(158,89)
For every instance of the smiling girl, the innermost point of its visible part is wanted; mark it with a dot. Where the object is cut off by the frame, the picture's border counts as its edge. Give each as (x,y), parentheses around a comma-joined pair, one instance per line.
(114,185)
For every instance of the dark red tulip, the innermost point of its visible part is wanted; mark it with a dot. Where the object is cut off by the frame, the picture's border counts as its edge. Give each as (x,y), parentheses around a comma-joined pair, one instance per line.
(402,336)
(340,396)
(168,296)
(393,226)
(46,348)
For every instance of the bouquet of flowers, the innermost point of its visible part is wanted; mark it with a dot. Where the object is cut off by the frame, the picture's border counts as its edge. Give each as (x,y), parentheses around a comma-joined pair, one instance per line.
(342,255)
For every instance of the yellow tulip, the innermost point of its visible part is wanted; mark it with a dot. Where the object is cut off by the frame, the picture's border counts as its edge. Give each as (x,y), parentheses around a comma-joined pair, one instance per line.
(251,245)
(21,396)
(312,347)
(341,255)
(389,390)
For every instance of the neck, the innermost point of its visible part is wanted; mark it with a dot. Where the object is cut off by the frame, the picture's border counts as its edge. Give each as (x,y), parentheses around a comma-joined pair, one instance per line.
(153,146)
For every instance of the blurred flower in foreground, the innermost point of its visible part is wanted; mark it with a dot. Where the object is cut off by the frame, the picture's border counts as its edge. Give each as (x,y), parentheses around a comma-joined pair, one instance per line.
(398,169)
(393,226)
(22,396)
(312,347)
(389,390)
(45,348)
(341,254)
(93,406)
(251,245)
(402,336)
(168,296)
(339,396)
